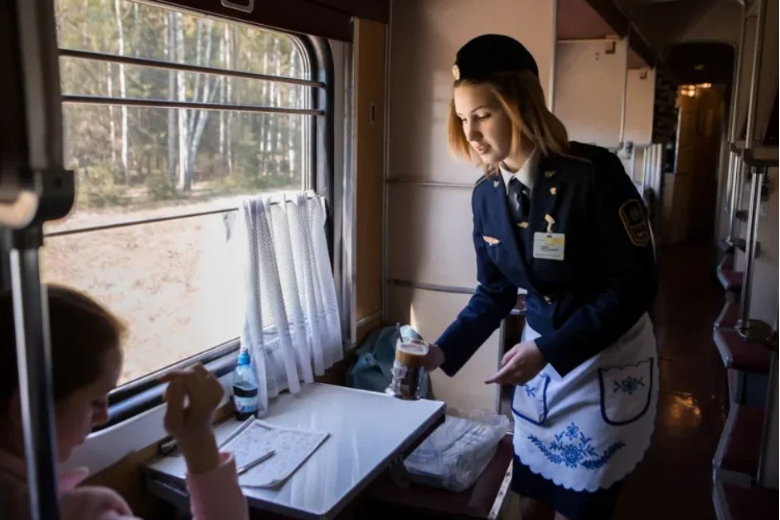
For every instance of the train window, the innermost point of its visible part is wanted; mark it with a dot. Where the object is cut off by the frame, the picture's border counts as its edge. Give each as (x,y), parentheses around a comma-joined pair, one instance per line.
(171,118)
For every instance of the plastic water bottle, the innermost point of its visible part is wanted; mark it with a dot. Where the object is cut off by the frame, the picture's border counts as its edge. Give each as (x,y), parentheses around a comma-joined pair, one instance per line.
(244,388)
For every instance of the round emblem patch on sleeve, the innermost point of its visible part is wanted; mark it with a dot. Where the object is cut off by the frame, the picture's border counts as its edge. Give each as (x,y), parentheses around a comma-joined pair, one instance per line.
(633,217)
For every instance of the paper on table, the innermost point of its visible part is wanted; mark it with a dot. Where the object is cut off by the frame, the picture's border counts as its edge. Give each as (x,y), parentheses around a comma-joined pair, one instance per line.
(292,448)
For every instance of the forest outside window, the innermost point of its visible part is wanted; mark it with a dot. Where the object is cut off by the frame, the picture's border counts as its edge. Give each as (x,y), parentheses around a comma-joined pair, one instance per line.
(170,119)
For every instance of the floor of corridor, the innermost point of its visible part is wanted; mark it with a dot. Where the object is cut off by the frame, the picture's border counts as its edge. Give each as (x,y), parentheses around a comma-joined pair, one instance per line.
(675,479)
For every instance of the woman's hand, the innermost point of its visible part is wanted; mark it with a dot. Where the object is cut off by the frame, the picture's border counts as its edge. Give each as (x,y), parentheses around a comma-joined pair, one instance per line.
(191,425)
(521,364)
(434,359)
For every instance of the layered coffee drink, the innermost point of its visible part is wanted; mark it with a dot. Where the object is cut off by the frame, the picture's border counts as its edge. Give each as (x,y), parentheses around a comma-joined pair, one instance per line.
(408,371)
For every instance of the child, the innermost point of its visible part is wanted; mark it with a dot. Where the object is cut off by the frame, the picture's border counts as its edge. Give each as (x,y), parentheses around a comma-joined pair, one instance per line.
(87,360)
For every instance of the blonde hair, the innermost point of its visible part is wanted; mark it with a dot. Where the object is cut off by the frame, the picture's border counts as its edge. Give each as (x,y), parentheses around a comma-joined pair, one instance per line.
(522,98)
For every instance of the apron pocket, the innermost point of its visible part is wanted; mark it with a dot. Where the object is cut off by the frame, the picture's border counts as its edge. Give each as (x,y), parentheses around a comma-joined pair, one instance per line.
(529,401)
(626,391)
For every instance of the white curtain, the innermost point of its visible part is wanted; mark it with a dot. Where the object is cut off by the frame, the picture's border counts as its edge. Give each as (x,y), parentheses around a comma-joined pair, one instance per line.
(291,326)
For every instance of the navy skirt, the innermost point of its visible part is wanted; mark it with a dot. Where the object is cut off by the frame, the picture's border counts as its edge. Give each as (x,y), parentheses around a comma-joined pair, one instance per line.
(575,505)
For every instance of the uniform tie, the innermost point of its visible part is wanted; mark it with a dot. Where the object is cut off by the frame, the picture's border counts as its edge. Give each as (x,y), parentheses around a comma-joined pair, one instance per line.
(520,201)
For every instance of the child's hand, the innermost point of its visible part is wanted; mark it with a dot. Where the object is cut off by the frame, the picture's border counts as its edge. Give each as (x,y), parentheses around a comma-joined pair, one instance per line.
(191,426)
(94,502)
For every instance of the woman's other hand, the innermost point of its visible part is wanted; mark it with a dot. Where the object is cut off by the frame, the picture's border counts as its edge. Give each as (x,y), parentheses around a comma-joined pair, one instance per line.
(518,366)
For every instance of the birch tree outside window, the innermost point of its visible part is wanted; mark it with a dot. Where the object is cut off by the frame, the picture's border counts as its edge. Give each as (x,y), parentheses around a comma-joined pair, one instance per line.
(161,152)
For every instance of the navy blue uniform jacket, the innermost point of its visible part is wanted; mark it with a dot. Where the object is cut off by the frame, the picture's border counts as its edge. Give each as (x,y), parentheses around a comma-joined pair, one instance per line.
(580,305)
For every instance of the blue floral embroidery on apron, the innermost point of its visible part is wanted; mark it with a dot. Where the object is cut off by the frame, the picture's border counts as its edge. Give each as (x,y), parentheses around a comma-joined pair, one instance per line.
(629,398)
(535,412)
(629,385)
(578,451)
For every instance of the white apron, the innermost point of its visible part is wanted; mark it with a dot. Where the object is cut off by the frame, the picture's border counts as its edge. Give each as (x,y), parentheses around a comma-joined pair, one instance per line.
(589,429)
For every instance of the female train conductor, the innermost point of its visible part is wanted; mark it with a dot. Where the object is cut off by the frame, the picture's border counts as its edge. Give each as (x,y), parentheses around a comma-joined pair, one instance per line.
(563,221)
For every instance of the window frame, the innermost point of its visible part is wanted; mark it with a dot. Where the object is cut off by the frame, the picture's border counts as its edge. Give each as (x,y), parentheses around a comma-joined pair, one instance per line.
(146,392)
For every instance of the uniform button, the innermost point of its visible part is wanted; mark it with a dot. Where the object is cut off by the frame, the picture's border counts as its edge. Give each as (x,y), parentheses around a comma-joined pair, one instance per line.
(547,299)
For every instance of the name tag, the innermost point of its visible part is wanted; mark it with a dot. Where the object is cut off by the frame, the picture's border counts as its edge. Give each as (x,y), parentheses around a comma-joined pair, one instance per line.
(549,246)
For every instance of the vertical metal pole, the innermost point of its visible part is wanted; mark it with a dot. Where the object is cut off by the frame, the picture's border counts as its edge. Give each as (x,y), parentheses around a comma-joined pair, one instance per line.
(32,67)
(754,83)
(744,324)
(739,180)
(735,183)
(753,329)
(33,353)
(648,172)
(735,163)
(386,169)
(729,192)
(625,95)
(501,352)
(659,168)
(658,186)
(750,251)
(650,166)
(348,204)
(551,83)
(737,80)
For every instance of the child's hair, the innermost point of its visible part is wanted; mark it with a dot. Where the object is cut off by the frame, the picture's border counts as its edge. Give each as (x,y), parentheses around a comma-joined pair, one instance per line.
(82,331)
(522,98)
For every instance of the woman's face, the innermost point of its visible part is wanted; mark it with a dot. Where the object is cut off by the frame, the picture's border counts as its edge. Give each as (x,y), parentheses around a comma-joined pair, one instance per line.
(485,124)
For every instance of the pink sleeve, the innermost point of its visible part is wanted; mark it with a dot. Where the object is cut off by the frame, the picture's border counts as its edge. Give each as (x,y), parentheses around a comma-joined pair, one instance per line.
(216,495)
